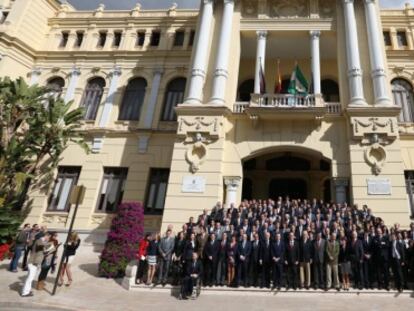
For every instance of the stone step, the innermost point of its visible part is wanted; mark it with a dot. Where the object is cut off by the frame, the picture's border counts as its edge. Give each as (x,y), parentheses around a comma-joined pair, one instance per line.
(220,290)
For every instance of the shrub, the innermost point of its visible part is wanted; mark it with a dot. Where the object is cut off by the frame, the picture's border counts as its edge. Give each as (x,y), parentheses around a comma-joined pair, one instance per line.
(127,229)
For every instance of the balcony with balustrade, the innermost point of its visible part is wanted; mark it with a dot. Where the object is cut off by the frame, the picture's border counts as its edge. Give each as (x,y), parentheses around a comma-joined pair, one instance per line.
(267,61)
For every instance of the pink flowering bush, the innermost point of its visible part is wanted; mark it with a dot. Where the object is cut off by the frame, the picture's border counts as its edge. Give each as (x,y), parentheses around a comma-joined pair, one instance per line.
(127,229)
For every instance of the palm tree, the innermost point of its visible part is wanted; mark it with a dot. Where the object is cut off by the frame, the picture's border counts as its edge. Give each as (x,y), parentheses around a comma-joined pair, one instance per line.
(36,126)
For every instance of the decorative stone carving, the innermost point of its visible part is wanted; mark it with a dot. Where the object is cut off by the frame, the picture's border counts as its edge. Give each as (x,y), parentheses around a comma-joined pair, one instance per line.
(172,11)
(375,156)
(209,125)
(47,219)
(199,132)
(249,8)
(375,133)
(289,8)
(136,10)
(99,11)
(196,153)
(326,8)
(383,126)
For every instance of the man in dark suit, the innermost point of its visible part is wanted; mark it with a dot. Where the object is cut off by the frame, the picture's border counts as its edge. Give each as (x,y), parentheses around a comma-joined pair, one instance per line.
(255,260)
(266,260)
(305,254)
(193,272)
(292,261)
(356,255)
(368,263)
(278,258)
(397,262)
(381,251)
(243,255)
(319,261)
(211,250)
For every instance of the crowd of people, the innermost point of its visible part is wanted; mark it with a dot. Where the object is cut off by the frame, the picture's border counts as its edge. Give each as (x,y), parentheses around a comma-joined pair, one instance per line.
(39,248)
(283,243)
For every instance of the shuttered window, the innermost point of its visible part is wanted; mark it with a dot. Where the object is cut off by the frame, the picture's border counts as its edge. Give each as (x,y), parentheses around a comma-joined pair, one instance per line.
(403,96)
(133,99)
(92,97)
(173,96)
(156,190)
(112,189)
(66,179)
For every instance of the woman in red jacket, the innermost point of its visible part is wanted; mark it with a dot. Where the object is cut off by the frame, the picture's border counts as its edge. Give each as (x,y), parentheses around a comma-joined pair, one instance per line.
(142,258)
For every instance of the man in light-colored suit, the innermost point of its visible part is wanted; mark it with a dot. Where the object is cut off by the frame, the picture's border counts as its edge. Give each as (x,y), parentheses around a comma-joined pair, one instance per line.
(332,253)
(165,249)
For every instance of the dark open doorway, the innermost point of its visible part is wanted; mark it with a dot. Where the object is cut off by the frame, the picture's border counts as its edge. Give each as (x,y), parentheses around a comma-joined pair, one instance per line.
(294,188)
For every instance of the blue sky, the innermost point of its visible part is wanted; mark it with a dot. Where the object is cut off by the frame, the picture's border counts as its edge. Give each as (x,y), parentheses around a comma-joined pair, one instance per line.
(156,4)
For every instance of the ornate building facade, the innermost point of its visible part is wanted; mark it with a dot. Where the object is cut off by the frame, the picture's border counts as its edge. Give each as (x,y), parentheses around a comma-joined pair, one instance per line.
(178,115)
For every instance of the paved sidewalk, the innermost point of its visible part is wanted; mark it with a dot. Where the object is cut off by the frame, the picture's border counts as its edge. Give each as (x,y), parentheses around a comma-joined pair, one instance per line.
(89,292)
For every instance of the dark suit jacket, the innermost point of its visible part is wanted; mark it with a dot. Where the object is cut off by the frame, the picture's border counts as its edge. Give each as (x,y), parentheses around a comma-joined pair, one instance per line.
(381,248)
(265,252)
(319,252)
(278,251)
(367,247)
(292,253)
(194,269)
(306,251)
(244,251)
(212,249)
(188,251)
(255,252)
(356,251)
(401,250)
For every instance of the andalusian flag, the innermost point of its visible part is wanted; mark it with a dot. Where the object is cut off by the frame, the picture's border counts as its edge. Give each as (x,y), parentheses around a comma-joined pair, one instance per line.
(298,84)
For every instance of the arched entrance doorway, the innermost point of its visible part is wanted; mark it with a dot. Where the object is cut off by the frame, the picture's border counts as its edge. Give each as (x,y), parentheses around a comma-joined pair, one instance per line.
(295,172)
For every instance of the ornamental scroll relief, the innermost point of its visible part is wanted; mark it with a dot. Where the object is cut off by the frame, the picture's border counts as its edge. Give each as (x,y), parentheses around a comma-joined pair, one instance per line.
(375,133)
(198,133)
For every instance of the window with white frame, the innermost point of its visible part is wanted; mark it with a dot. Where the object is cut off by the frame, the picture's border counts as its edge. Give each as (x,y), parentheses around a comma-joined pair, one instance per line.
(112,189)
(156,190)
(402,91)
(66,179)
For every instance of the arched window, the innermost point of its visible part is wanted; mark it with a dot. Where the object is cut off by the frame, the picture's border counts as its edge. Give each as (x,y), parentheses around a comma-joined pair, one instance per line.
(173,96)
(402,91)
(245,91)
(92,97)
(56,85)
(133,99)
(330,91)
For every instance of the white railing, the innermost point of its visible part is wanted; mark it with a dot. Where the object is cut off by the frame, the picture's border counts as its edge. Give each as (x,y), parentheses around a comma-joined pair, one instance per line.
(239,107)
(283,100)
(334,108)
(287,101)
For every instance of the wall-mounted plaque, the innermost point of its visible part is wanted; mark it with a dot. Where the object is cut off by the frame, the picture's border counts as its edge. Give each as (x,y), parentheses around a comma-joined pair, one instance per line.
(379,186)
(193,184)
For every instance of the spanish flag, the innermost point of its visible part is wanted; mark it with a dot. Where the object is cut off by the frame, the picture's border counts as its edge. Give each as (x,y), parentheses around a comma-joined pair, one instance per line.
(278,84)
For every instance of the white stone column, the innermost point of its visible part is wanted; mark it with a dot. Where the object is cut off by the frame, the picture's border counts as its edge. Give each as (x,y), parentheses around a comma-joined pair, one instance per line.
(316,61)
(352,51)
(70,92)
(260,59)
(375,39)
(198,71)
(221,72)
(109,102)
(340,185)
(34,76)
(155,87)
(232,185)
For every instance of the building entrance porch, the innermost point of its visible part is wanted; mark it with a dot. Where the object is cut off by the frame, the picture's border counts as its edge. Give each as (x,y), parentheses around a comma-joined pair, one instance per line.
(293,174)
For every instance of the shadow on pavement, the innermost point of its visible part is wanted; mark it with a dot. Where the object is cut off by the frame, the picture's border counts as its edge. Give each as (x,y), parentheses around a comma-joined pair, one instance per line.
(90,268)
